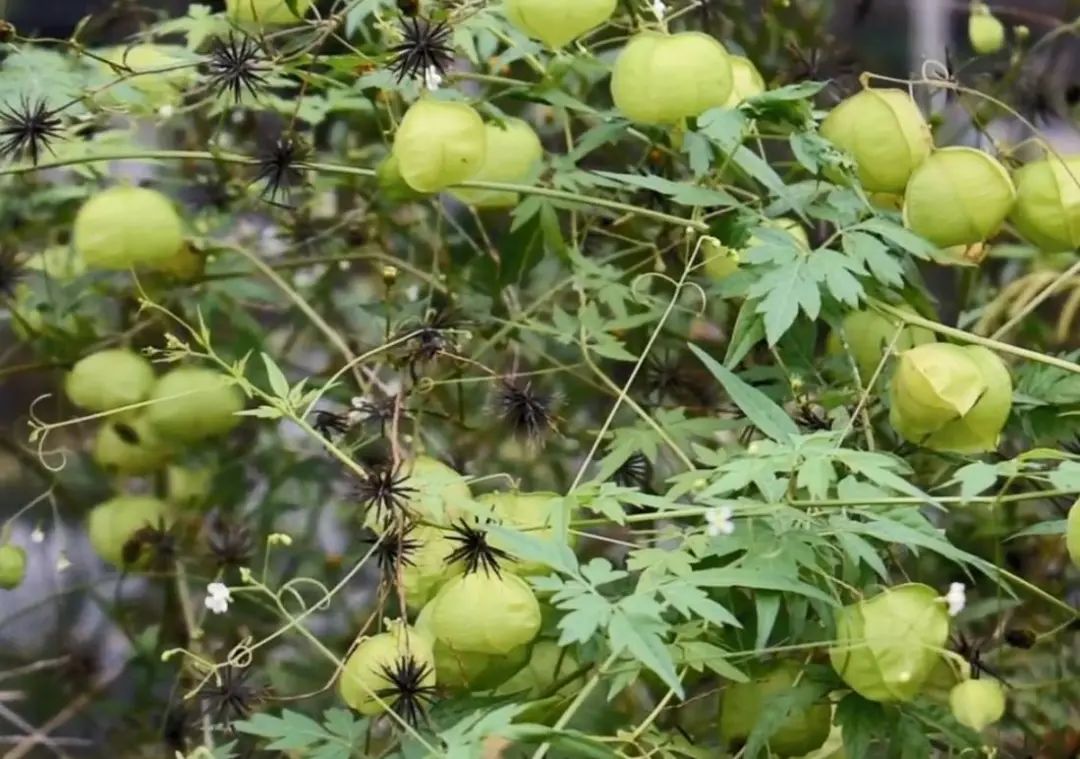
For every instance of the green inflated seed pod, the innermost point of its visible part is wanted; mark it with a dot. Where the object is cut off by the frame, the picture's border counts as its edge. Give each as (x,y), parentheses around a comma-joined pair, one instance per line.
(193,404)
(978,430)
(113,523)
(439,144)
(512,150)
(1072,534)
(558,22)
(958,196)
(888,646)
(489,613)
(109,379)
(746,81)
(1047,210)
(523,511)
(802,731)
(934,384)
(267,12)
(12,566)
(886,134)
(387,667)
(985,31)
(469,670)
(664,78)
(157,71)
(427,568)
(130,447)
(977,703)
(125,227)
(869,333)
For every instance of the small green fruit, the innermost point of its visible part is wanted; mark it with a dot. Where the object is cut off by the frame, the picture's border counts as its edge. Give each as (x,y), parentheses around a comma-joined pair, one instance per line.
(985,31)
(869,333)
(192,404)
(512,150)
(438,144)
(886,134)
(125,227)
(958,196)
(557,22)
(664,78)
(719,261)
(130,447)
(978,430)
(523,510)
(1072,534)
(887,646)
(365,674)
(109,379)
(800,733)
(269,12)
(441,495)
(746,81)
(1047,211)
(12,566)
(113,523)
(188,487)
(485,613)
(934,384)
(977,703)
(548,663)
(427,569)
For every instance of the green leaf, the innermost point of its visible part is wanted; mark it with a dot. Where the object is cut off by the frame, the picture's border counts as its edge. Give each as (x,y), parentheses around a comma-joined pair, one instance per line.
(278,383)
(776,710)
(782,292)
(762,412)
(747,332)
(739,577)
(874,256)
(528,547)
(1050,527)
(638,636)
(680,192)
(862,722)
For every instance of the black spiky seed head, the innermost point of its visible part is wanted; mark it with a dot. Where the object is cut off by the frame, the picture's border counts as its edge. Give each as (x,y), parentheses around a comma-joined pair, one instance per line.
(474,550)
(425,45)
(407,694)
(28,128)
(236,65)
(230,696)
(395,550)
(11,271)
(408,7)
(230,543)
(635,472)
(527,413)
(1019,637)
(157,541)
(330,424)
(278,168)
(384,490)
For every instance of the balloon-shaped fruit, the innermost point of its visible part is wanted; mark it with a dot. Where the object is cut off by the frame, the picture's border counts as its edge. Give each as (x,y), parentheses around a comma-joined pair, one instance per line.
(269,12)
(934,384)
(188,487)
(1072,534)
(887,646)
(958,196)
(512,150)
(125,227)
(985,31)
(869,333)
(746,81)
(1047,210)
(392,186)
(130,447)
(396,667)
(524,511)
(718,260)
(12,566)
(424,565)
(192,404)
(977,703)
(112,524)
(664,78)
(557,22)
(886,134)
(802,731)
(978,430)
(468,669)
(438,144)
(109,379)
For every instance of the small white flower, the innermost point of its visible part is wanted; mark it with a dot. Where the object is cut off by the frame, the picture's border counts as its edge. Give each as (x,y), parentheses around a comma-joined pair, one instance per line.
(720,522)
(432,78)
(956,598)
(38,535)
(217,597)
(659,9)
(166,111)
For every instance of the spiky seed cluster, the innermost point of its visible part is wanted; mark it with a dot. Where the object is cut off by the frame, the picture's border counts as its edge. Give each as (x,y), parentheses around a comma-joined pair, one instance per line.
(11,272)
(383,489)
(230,543)
(237,65)
(159,541)
(425,45)
(474,550)
(28,128)
(278,168)
(232,697)
(407,690)
(635,472)
(394,551)
(329,424)
(527,413)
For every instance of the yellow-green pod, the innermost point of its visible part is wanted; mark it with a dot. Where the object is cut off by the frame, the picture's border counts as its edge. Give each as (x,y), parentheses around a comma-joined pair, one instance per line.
(113,523)
(267,12)
(438,144)
(192,404)
(130,447)
(746,81)
(370,671)
(1047,210)
(125,227)
(977,703)
(485,613)
(934,384)
(978,430)
(512,150)
(985,30)
(558,22)
(802,731)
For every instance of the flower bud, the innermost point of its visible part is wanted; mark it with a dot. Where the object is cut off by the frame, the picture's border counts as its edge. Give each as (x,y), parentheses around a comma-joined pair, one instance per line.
(664,78)
(109,379)
(366,671)
(985,31)
(888,646)
(127,226)
(557,22)
(958,196)
(439,143)
(869,333)
(977,703)
(485,613)
(512,150)
(934,384)
(801,732)
(1072,534)
(746,81)
(113,523)
(12,566)
(978,430)
(1047,211)
(886,134)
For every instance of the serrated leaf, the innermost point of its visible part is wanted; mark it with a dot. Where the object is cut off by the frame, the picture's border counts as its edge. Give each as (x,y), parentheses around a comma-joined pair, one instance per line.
(278,383)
